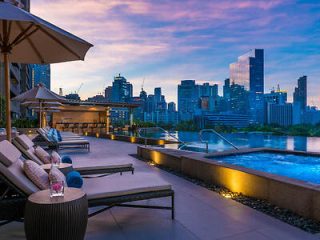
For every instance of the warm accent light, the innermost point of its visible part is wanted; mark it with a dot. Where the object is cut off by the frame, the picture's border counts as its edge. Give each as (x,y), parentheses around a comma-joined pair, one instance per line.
(152,164)
(161,142)
(226,195)
(112,137)
(97,135)
(132,139)
(86,133)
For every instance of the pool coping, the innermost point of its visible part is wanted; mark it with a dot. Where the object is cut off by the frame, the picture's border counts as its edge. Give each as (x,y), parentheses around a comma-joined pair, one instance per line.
(299,196)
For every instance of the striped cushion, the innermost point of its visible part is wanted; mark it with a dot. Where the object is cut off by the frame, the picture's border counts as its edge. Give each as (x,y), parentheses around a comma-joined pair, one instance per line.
(55,157)
(42,155)
(36,174)
(55,175)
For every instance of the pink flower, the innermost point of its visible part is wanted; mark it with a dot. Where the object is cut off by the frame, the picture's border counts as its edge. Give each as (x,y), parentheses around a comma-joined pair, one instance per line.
(57,187)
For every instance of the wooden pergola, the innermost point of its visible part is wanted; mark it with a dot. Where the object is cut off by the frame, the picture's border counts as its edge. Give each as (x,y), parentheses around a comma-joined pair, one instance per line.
(84,111)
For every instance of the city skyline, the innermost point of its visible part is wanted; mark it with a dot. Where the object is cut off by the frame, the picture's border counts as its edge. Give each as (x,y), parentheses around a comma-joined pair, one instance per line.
(165,43)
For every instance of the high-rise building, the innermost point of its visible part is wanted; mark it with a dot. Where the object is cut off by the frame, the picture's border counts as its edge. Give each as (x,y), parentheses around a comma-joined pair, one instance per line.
(279,114)
(108,94)
(157,94)
(97,98)
(277,97)
(300,93)
(121,89)
(188,99)
(171,107)
(248,71)
(238,99)
(73,96)
(41,74)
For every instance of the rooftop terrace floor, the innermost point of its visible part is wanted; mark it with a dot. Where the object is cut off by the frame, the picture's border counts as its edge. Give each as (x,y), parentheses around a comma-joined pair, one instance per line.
(200,213)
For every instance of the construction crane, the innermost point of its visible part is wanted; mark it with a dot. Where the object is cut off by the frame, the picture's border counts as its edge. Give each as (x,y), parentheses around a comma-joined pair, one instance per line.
(79,88)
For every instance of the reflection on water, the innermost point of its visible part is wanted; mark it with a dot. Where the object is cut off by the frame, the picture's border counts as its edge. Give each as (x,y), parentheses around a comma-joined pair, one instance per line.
(252,140)
(243,140)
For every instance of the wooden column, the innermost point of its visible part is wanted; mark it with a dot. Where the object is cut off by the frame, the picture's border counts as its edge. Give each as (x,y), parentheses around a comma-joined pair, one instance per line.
(7,94)
(107,120)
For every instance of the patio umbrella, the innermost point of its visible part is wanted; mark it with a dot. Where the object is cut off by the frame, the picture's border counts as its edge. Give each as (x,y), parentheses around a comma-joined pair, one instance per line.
(40,97)
(32,104)
(26,38)
(43,112)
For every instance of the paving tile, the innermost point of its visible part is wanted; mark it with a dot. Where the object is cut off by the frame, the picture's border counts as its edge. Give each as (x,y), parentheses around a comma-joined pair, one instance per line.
(13,230)
(282,231)
(252,235)
(161,230)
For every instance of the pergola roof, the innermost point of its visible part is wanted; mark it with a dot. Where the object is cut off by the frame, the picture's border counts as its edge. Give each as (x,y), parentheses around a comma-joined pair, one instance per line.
(72,102)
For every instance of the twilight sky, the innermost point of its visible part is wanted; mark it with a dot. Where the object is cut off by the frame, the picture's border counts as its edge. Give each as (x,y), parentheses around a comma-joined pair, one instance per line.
(165,41)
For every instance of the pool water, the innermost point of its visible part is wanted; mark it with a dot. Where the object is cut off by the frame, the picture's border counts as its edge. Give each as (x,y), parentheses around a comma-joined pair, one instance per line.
(245,140)
(301,167)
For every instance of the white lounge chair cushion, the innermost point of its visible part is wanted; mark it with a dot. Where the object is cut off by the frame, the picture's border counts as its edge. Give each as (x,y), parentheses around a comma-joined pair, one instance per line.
(9,154)
(98,164)
(36,174)
(75,141)
(117,185)
(25,141)
(55,175)
(42,155)
(15,174)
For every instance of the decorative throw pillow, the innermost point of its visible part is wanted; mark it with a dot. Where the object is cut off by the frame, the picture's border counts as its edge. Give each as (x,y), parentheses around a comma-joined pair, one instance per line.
(55,157)
(36,174)
(42,155)
(55,175)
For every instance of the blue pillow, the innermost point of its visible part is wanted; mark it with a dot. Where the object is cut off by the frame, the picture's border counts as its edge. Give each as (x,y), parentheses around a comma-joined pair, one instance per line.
(51,131)
(59,136)
(74,179)
(66,159)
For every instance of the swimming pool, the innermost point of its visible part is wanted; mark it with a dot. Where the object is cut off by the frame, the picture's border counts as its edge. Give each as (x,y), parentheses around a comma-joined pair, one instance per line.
(301,167)
(245,140)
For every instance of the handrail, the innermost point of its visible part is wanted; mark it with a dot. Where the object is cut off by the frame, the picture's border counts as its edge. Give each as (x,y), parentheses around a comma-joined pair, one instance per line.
(216,133)
(162,129)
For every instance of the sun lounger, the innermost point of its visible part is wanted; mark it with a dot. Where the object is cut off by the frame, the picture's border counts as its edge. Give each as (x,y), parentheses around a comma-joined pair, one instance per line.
(64,135)
(26,147)
(69,143)
(109,191)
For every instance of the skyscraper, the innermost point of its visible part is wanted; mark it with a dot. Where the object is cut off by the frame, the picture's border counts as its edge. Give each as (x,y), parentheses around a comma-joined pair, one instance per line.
(171,107)
(108,94)
(238,99)
(300,93)
(121,89)
(249,72)
(41,74)
(188,99)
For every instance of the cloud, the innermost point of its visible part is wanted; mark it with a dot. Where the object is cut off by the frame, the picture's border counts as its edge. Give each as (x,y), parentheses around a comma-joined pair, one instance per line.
(167,40)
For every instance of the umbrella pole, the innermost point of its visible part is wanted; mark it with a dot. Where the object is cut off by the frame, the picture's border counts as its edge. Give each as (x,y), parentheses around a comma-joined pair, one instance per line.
(40,114)
(7,94)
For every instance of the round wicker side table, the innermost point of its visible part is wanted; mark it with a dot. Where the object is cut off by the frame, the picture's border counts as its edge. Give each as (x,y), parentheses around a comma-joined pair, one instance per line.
(58,217)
